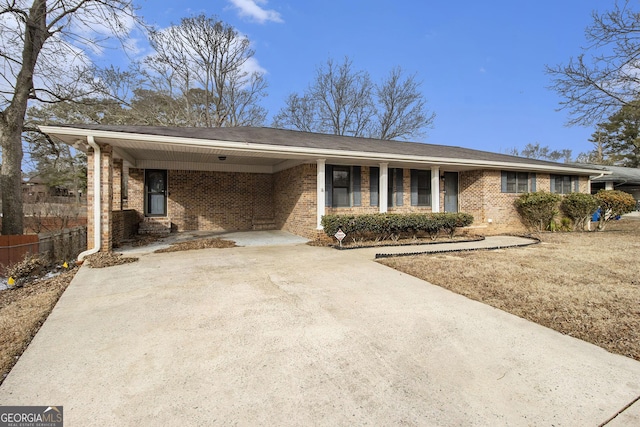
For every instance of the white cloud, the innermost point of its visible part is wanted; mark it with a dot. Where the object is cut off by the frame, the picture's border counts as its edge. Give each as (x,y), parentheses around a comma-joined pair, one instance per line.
(252,10)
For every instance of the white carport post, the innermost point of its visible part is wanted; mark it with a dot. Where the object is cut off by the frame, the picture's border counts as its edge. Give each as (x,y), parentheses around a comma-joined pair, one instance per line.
(320,196)
(435,189)
(384,187)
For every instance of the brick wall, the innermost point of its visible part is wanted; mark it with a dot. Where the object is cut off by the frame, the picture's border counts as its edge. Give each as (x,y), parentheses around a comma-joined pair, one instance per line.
(294,192)
(124,225)
(201,200)
(481,196)
(233,201)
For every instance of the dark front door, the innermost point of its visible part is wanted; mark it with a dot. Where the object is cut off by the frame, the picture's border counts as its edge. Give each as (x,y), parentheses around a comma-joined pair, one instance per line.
(156,192)
(451,191)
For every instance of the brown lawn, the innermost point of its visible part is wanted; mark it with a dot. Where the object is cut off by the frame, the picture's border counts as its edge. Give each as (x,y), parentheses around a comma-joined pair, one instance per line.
(586,285)
(22,311)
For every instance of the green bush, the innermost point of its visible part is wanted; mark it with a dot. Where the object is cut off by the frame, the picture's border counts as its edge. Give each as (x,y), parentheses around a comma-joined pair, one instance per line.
(538,209)
(384,226)
(579,207)
(613,203)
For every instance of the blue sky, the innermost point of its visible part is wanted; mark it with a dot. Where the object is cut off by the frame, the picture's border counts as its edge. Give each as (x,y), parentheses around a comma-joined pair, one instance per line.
(481,63)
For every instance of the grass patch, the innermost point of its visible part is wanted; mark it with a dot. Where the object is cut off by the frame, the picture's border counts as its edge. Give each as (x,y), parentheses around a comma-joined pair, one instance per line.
(23,310)
(586,285)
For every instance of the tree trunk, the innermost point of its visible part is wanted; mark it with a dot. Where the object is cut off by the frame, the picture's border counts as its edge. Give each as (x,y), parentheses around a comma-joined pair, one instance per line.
(11,178)
(12,121)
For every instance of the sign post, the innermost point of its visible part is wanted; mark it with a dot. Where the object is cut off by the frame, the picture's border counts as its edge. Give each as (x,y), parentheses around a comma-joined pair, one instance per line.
(340,235)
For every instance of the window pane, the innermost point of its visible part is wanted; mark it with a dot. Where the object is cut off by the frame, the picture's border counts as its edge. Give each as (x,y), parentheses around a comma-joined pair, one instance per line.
(424,188)
(566,184)
(340,177)
(340,197)
(423,198)
(511,182)
(523,186)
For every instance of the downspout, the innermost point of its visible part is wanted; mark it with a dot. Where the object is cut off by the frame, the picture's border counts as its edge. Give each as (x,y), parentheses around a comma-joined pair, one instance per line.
(97,200)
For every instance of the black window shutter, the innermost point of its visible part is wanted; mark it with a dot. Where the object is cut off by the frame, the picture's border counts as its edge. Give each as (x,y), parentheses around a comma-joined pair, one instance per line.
(504,182)
(532,182)
(374,186)
(399,186)
(414,187)
(356,183)
(328,185)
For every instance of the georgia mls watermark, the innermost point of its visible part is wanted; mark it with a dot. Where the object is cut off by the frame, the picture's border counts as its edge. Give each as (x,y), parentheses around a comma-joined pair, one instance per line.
(31,416)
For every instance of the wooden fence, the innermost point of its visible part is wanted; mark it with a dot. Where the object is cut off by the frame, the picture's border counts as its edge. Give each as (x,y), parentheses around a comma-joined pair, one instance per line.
(61,245)
(13,248)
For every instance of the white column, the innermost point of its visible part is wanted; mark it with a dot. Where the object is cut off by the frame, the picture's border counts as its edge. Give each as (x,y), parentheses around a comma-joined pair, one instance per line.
(608,185)
(435,189)
(384,187)
(320,196)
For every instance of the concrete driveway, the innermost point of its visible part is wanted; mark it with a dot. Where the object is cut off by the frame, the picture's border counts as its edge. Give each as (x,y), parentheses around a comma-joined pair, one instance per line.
(300,335)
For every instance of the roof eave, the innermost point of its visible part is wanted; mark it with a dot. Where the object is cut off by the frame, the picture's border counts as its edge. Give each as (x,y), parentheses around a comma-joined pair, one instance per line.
(248,148)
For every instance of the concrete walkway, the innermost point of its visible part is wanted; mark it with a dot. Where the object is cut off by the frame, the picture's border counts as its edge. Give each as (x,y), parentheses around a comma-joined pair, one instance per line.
(301,335)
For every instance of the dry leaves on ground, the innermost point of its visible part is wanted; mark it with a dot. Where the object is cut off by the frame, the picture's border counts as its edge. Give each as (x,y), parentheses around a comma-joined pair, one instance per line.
(23,310)
(108,259)
(199,244)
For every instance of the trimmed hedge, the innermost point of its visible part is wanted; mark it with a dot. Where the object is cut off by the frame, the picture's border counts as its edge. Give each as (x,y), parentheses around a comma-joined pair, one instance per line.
(538,209)
(393,225)
(579,207)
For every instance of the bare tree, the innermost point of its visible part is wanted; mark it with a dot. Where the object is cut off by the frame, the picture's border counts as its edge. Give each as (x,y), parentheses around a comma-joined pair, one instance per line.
(207,64)
(536,151)
(38,38)
(403,111)
(344,101)
(606,75)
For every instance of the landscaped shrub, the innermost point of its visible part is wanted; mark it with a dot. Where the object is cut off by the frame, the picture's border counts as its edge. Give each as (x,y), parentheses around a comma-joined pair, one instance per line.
(385,226)
(579,207)
(613,203)
(538,209)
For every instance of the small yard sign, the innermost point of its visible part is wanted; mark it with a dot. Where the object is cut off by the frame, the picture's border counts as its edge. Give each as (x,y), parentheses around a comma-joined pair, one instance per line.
(340,235)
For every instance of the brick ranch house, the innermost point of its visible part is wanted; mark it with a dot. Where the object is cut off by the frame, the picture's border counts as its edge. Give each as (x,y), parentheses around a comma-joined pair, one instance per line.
(249,178)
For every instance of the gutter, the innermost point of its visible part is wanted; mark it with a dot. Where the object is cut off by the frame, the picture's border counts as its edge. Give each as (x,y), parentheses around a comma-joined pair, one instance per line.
(97,200)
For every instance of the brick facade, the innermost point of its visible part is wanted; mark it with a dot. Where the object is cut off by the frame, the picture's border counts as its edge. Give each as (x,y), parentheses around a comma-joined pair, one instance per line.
(286,200)
(213,201)
(295,200)
(124,225)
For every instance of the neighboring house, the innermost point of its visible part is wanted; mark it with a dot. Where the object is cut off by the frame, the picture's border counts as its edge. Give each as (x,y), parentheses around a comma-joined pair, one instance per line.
(36,190)
(260,178)
(621,178)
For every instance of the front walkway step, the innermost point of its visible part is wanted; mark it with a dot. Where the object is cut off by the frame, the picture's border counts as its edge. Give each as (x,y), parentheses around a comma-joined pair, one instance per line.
(154,225)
